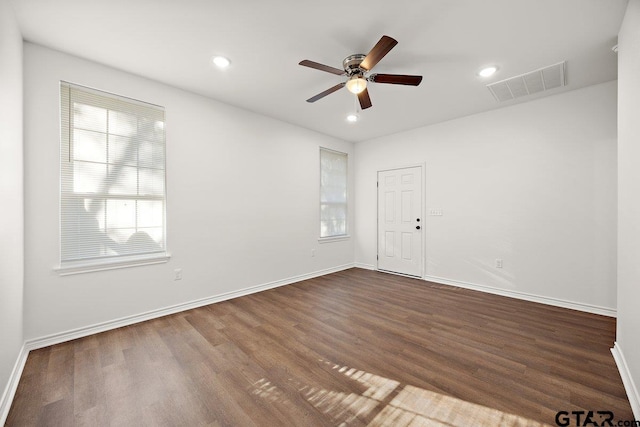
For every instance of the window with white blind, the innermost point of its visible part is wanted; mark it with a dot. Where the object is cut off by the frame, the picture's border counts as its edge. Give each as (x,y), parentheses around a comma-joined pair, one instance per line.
(333,193)
(112,190)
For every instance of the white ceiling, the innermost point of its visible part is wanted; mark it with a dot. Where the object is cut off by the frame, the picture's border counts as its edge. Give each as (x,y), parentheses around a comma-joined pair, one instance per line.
(446,41)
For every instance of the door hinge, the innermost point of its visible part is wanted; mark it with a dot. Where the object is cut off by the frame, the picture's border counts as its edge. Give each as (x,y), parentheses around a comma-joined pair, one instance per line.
(377,256)
(377,184)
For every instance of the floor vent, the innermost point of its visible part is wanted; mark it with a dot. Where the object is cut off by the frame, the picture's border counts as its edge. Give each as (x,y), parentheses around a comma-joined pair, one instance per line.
(526,84)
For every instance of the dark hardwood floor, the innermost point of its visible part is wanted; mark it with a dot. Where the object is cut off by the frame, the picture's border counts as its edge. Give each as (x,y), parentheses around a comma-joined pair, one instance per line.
(351,348)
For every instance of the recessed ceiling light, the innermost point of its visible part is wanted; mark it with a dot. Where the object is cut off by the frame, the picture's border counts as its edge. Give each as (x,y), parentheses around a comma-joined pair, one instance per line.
(352,118)
(221,61)
(488,71)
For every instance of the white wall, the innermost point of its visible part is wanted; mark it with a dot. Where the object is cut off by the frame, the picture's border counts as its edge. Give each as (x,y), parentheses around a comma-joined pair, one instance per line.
(11,194)
(242,201)
(533,184)
(628,331)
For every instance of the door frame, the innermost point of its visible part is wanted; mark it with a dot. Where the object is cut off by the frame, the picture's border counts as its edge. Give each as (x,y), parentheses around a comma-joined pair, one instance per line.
(423,168)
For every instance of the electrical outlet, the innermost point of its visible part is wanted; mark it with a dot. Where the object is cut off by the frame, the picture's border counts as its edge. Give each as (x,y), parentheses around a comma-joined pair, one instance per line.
(498,263)
(313,252)
(177,274)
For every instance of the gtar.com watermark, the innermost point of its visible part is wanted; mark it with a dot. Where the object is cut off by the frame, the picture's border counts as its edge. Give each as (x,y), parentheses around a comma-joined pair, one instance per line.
(592,418)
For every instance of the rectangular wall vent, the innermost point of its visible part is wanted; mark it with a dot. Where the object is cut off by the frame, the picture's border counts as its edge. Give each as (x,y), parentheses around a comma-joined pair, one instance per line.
(529,83)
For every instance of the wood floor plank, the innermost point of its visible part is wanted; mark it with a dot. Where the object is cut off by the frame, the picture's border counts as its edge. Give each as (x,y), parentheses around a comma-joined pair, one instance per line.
(352,348)
(88,387)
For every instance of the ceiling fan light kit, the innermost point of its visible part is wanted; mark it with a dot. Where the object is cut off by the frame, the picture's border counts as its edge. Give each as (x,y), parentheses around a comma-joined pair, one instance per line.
(356,84)
(356,68)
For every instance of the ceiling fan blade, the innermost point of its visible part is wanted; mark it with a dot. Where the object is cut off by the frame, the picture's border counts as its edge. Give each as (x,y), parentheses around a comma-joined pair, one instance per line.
(326,92)
(365,101)
(384,45)
(322,67)
(396,79)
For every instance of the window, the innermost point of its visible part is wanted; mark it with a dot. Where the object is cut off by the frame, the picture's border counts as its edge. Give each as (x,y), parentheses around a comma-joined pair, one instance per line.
(112,189)
(333,193)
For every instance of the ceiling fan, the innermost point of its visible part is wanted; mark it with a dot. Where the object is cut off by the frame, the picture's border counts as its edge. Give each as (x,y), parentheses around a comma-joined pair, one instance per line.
(356,68)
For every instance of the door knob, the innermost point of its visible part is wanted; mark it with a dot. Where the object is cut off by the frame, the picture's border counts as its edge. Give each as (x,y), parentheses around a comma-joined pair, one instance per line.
(417,227)
(418,219)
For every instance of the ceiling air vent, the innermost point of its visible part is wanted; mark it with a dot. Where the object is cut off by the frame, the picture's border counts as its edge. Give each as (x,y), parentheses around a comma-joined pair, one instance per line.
(526,84)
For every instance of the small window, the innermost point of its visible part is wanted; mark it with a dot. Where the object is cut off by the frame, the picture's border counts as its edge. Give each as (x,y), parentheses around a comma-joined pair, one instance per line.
(112,190)
(333,193)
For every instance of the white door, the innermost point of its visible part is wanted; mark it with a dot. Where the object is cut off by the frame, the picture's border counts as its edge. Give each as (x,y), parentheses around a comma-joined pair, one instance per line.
(400,221)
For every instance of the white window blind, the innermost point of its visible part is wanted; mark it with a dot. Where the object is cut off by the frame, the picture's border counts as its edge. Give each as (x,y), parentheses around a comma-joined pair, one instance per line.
(333,193)
(112,190)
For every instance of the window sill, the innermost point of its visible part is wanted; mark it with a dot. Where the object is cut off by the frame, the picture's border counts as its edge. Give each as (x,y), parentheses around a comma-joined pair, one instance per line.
(80,267)
(333,239)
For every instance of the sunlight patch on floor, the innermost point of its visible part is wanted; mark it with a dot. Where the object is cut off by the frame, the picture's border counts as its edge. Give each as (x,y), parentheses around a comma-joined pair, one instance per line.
(414,406)
(386,402)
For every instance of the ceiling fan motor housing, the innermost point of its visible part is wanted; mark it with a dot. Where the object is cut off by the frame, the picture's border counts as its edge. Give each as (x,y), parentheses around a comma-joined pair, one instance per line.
(351,64)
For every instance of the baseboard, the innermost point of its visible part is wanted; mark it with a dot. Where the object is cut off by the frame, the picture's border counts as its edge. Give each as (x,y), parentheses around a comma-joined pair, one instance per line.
(604,311)
(12,385)
(364,266)
(627,380)
(58,338)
